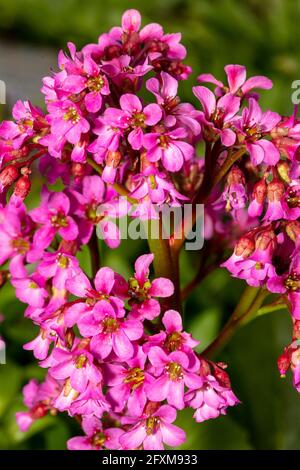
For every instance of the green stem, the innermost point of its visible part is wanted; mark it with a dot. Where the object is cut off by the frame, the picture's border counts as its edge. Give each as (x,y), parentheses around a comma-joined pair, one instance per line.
(247,308)
(94,253)
(274,307)
(165,266)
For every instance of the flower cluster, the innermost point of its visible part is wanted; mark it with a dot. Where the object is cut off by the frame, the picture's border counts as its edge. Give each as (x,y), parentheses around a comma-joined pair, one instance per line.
(116,355)
(123,383)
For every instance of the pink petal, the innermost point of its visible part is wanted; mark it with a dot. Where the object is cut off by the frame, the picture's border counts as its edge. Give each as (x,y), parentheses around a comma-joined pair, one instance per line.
(206,98)
(172,321)
(236,75)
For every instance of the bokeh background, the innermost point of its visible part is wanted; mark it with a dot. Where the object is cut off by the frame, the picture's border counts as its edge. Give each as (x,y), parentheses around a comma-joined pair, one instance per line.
(265,36)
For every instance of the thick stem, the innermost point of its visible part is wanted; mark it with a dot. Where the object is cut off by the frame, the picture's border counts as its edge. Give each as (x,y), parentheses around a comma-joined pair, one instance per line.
(165,266)
(94,254)
(247,308)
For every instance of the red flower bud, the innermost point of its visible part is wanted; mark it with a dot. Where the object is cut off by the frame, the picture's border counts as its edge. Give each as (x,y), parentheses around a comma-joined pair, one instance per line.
(8,176)
(22,187)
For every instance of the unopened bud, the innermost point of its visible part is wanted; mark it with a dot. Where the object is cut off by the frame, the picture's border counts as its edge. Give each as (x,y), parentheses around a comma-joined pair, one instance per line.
(275,190)
(8,176)
(244,247)
(260,191)
(22,187)
(235,176)
(292,229)
(266,240)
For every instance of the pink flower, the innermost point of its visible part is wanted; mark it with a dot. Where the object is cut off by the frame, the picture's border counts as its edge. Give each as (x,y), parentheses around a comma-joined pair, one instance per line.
(142,290)
(92,81)
(59,266)
(108,332)
(289,283)
(53,217)
(211,400)
(253,126)
(237,83)
(176,113)
(40,345)
(67,121)
(127,384)
(152,430)
(258,267)
(137,118)
(94,206)
(173,374)
(173,338)
(31,290)
(90,403)
(38,398)
(217,115)
(169,148)
(96,437)
(77,365)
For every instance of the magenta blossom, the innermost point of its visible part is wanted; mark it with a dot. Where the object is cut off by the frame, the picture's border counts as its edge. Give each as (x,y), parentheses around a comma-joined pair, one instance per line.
(237,83)
(142,290)
(127,384)
(96,437)
(173,374)
(252,126)
(152,429)
(217,115)
(53,217)
(138,118)
(77,365)
(169,148)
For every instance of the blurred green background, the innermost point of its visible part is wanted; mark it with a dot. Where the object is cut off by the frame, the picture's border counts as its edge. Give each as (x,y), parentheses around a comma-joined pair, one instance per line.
(264,36)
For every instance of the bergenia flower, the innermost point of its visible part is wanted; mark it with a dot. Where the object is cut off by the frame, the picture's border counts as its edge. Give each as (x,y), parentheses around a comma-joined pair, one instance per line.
(152,429)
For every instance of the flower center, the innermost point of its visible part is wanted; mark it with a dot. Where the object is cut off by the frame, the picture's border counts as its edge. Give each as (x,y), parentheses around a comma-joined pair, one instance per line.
(80,361)
(163,141)
(20,245)
(174,371)
(98,439)
(135,377)
(138,120)
(138,292)
(292,283)
(72,115)
(95,83)
(91,213)
(33,285)
(152,425)
(173,341)
(59,220)
(63,261)
(253,132)
(110,325)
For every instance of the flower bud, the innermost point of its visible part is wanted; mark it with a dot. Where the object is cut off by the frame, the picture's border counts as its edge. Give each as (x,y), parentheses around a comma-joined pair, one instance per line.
(22,187)
(292,229)
(244,247)
(8,176)
(275,190)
